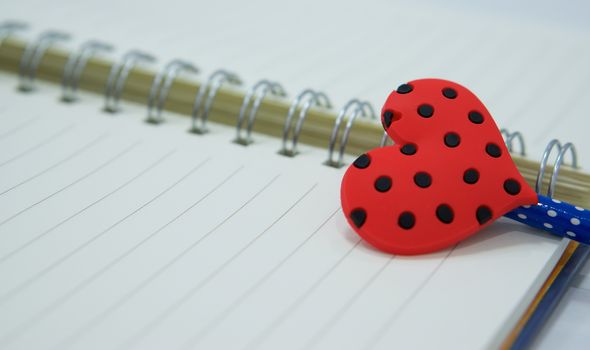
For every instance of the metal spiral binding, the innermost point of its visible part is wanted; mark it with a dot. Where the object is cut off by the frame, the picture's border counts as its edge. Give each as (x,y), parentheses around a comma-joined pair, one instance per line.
(303,102)
(260,89)
(33,55)
(561,151)
(384,139)
(7,28)
(161,87)
(509,138)
(75,66)
(364,109)
(118,76)
(215,81)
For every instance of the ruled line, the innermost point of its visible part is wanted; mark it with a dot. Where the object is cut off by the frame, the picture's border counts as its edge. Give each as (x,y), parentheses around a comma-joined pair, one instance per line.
(259,339)
(395,316)
(51,138)
(157,320)
(567,111)
(498,95)
(11,293)
(327,326)
(244,296)
(70,340)
(24,326)
(214,273)
(60,162)
(19,127)
(530,99)
(192,246)
(105,196)
(78,180)
(420,54)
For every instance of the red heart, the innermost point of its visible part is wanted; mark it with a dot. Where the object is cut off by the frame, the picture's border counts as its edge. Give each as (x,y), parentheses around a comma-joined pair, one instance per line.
(448,175)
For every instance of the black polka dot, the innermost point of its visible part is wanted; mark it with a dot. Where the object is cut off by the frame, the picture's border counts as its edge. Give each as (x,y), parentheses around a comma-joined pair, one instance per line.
(452,139)
(387,118)
(406,220)
(512,187)
(404,88)
(383,183)
(471,176)
(444,213)
(475,117)
(493,150)
(425,111)
(449,93)
(483,214)
(358,217)
(422,179)
(362,162)
(408,149)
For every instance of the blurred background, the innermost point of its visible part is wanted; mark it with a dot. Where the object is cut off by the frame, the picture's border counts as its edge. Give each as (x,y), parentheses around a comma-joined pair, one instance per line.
(528,60)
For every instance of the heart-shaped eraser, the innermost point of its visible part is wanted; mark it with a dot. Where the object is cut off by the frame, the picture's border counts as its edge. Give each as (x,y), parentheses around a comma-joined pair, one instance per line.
(448,174)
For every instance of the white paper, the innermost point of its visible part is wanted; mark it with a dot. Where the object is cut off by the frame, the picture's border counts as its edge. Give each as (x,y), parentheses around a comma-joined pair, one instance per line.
(130,235)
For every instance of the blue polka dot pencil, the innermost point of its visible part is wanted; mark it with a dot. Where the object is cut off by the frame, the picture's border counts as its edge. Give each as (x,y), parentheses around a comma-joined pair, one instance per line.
(557,217)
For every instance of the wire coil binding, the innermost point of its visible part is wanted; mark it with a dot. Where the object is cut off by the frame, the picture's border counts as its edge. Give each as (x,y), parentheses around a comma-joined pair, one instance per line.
(384,140)
(260,90)
(509,138)
(118,77)
(210,88)
(559,161)
(162,82)
(8,28)
(303,102)
(75,66)
(32,56)
(353,108)
(161,87)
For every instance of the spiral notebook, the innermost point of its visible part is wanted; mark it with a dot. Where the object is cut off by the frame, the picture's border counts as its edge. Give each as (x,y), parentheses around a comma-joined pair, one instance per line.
(180,233)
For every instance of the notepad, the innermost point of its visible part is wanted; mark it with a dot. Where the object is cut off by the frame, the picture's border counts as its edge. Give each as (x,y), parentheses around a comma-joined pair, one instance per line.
(157,238)
(121,234)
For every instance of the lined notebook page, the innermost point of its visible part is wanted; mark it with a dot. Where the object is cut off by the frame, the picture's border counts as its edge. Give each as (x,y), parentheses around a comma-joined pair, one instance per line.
(119,234)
